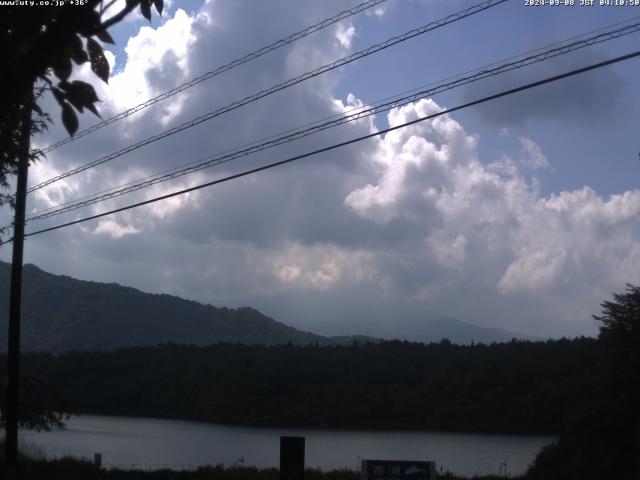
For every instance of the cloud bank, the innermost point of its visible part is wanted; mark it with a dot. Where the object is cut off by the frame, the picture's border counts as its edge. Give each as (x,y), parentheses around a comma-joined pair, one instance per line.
(367,239)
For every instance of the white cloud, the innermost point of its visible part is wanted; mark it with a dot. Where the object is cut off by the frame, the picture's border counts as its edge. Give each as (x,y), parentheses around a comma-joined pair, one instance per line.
(157,60)
(533,270)
(57,192)
(450,252)
(319,267)
(288,273)
(510,239)
(532,154)
(113,229)
(415,217)
(345,33)
(414,167)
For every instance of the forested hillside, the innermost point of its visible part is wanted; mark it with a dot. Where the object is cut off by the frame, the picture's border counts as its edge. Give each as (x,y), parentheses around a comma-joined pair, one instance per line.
(61,313)
(510,387)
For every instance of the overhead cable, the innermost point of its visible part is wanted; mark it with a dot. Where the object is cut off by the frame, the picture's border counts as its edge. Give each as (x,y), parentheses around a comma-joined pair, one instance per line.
(351,116)
(342,144)
(219,70)
(276,88)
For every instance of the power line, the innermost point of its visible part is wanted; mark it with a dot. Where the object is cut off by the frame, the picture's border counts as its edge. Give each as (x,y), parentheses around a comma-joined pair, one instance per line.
(356,114)
(343,144)
(326,119)
(219,70)
(281,86)
(360,113)
(574,38)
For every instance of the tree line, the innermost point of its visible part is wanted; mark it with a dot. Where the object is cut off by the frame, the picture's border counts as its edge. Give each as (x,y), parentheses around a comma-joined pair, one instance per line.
(584,390)
(510,387)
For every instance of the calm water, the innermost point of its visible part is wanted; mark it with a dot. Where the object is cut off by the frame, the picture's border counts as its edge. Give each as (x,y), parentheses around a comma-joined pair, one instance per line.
(151,443)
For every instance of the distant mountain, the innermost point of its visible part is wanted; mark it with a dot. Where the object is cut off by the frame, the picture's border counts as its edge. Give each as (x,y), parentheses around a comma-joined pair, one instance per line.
(459,332)
(60,313)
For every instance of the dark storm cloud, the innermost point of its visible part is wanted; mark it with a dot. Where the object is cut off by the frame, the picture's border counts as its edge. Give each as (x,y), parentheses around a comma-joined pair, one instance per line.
(586,98)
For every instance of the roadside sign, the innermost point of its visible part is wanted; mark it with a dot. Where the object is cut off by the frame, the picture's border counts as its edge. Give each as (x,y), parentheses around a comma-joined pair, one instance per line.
(398,470)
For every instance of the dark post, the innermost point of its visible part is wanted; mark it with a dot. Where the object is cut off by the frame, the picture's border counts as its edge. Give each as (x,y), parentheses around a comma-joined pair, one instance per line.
(291,458)
(13,351)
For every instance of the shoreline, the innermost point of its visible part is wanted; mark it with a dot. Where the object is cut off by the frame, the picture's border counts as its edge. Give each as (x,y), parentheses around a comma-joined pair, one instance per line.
(326,428)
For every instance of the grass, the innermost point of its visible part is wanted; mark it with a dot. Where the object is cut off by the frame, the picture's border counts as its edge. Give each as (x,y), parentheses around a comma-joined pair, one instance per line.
(34,466)
(74,469)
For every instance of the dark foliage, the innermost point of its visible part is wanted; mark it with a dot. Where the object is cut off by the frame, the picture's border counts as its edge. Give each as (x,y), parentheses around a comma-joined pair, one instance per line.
(601,440)
(41,407)
(61,313)
(38,47)
(82,469)
(512,387)
(67,468)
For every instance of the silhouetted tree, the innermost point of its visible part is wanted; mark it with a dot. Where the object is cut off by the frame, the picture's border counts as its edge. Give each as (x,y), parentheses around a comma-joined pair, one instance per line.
(508,387)
(38,46)
(602,438)
(620,337)
(41,405)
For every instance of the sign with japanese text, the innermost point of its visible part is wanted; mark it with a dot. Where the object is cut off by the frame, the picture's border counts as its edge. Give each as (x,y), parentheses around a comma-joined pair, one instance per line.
(397,470)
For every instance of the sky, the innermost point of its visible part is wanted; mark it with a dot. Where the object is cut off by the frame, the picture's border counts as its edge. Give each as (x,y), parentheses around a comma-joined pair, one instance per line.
(522,213)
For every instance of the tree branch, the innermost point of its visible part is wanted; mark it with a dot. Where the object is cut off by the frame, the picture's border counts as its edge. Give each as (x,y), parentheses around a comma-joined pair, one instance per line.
(103,9)
(120,15)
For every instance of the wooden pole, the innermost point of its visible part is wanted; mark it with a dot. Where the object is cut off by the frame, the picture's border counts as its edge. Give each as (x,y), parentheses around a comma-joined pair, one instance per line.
(13,351)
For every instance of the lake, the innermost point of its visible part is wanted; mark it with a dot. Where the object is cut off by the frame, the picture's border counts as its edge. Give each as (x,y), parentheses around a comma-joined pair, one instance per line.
(153,443)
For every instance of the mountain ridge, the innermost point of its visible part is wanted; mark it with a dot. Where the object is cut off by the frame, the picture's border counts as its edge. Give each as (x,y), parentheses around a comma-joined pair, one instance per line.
(61,313)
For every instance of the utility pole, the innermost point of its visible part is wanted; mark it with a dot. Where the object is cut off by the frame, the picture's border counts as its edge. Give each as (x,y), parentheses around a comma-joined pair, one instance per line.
(13,351)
